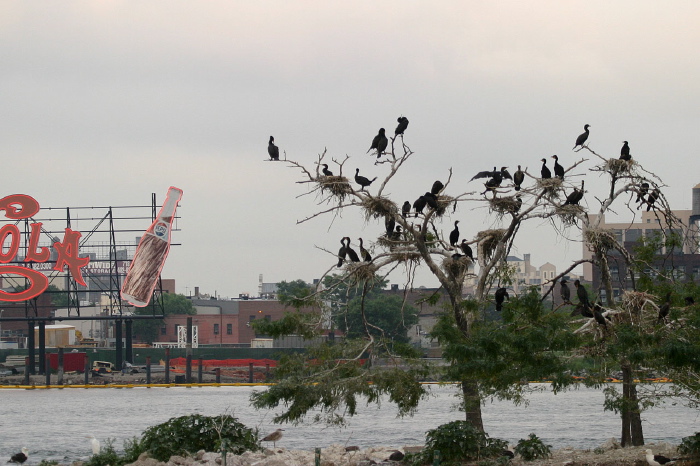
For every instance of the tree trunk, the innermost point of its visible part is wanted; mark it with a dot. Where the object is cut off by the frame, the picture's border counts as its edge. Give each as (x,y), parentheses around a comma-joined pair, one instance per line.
(632,433)
(472,404)
(636,418)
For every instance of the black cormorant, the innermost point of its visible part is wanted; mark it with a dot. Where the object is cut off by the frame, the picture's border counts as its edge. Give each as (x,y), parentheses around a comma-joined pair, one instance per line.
(575,196)
(518,178)
(454,235)
(689,300)
(405,209)
(379,142)
(582,295)
(365,254)
(582,137)
(361,180)
(431,200)
(625,151)
(403,124)
(598,315)
(643,190)
(466,249)
(652,198)
(273,150)
(565,291)
(389,224)
(342,252)
(500,295)
(558,169)
(326,171)
(437,187)
(396,236)
(351,253)
(665,308)
(496,177)
(419,204)
(545,172)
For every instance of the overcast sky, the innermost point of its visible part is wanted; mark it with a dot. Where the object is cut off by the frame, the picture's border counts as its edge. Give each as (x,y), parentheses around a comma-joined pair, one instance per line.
(104,103)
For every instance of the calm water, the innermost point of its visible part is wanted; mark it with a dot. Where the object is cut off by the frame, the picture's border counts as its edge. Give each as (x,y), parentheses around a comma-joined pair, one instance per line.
(54,424)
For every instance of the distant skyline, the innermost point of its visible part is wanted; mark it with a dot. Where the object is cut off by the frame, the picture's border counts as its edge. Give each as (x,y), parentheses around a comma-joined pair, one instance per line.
(104,103)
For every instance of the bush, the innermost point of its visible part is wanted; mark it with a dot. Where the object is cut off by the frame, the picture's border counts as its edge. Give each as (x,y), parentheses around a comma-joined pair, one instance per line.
(188,434)
(107,456)
(460,441)
(690,445)
(532,448)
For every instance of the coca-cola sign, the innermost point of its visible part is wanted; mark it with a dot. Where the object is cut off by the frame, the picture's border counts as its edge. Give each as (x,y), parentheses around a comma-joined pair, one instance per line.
(20,207)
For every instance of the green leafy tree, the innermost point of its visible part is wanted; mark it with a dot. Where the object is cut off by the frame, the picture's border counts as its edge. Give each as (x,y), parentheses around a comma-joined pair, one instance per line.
(173,304)
(294,293)
(381,315)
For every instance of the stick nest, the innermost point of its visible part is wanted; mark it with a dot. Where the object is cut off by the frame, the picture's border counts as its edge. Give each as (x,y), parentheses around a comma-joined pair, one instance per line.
(617,166)
(601,239)
(551,185)
(488,241)
(456,267)
(569,213)
(406,255)
(378,207)
(443,202)
(338,186)
(362,271)
(504,205)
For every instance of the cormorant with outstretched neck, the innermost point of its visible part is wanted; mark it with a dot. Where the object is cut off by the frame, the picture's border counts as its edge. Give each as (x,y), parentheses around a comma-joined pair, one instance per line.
(273,150)
(581,139)
(362,181)
(518,178)
(545,172)
(437,187)
(466,249)
(420,204)
(326,171)
(454,235)
(665,308)
(365,253)
(500,295)
(625,152)
(342,252)
(405,209)
(403,124)
(558,169)
(351,253)
(379,142)
(575,196)
(565,291)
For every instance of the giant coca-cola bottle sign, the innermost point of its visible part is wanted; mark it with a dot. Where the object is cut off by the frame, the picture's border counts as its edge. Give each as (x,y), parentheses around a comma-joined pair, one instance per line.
(151,254)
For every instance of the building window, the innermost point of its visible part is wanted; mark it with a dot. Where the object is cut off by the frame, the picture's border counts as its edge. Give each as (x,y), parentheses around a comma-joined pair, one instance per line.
(229,329)
(268,318)
(252,318)
(164,330)
(216,329)
(177,327)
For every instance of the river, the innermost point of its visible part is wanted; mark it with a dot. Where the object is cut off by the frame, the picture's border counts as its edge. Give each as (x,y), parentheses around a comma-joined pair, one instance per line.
(54,423)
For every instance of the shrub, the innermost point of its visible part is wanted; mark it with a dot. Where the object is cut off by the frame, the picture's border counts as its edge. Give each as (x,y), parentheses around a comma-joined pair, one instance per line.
(188,434)
(690,445)
(106,457)
(532,448)
(460,441)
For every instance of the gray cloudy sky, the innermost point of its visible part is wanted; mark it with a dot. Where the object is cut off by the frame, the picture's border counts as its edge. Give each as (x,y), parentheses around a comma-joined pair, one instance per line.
(104,103)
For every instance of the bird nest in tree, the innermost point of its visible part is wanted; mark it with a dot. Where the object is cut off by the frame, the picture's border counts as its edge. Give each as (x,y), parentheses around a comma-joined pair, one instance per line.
(362,271)
(551,185)
(488,241)
(633,304)
(339,186)
(443,202)
(391,244)
(569,213)
(378,207)
(456,266)
(406,255)
(617,166)
(600,238)
(504,205)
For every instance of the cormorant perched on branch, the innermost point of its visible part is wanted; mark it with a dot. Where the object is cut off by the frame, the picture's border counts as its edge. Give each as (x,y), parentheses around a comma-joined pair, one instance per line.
(643,190)
(403,124)
(565,291)
(466,249)
(362,181)
(575,196)
(351,252)
(365,253)
(342,252)
(379,142)
(431,200)
(273,150)
(558,169)
(652,198)
(598,315)
(420,204)
(396,235)
(665,308)
(625,152)
(326,171)
(582,137)
(496,177)
(389,223)
(500,295)
(582,295)
(437,187)
(454,235)
(518,178)
(405,209)
(545,172)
